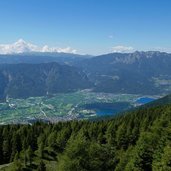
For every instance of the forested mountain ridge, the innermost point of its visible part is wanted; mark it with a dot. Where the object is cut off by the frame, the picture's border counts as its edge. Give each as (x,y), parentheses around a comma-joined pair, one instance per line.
(25,80)
(161,101)
(146,73)
(138,140)
(134,73)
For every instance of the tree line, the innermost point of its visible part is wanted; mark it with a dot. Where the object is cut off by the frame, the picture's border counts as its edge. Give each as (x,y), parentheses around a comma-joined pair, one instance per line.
(136,141)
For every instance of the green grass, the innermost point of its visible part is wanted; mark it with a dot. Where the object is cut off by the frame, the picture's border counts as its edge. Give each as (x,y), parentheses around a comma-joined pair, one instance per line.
(55,106)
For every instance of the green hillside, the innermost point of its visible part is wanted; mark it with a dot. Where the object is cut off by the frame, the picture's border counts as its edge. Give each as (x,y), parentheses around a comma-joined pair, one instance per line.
(139,140)
(162,101)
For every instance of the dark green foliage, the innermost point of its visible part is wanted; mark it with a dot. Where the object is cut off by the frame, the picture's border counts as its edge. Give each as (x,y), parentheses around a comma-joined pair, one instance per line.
(17,163)
(137,141)
(42,166)
(29,154)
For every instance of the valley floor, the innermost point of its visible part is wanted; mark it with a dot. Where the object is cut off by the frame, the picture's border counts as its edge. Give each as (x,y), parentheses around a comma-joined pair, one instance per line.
(68,106)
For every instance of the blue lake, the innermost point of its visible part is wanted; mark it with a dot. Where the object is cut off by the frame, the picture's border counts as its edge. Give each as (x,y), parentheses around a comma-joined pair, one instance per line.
(144,100)
(106,112)
(102,109)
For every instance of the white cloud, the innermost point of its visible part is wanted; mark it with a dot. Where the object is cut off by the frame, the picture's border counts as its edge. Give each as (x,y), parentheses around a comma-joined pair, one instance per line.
(21,46)
(58,49)
(122,49)
(162,49)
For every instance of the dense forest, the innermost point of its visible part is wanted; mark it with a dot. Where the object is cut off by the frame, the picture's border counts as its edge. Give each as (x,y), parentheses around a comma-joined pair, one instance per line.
(139,140)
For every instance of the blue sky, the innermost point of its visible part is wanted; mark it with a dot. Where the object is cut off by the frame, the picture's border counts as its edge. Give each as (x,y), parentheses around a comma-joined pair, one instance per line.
(89,26)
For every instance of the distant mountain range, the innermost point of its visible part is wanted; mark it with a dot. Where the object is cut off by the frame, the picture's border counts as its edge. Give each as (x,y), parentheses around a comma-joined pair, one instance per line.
(41,57)
(25,80)
(135,73)
(35,74)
